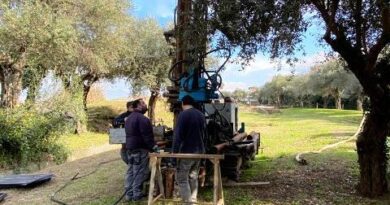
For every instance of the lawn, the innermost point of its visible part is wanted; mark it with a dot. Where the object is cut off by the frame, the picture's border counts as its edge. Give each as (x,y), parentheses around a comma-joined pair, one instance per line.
(329,177)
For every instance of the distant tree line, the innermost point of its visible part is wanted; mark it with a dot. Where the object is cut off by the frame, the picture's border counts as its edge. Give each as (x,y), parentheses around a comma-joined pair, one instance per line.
(326,85)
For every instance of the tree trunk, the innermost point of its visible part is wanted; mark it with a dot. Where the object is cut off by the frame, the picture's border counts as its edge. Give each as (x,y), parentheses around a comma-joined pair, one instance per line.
(1,87)
(371,143)
(325,99)
(152,105)
(86,89)
(278,101)
(338,102)
(359,103)
(371,148)
(11,87)
(88,81)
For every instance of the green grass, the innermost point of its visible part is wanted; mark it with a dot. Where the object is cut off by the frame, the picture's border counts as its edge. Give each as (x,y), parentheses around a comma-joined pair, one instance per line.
(329,178)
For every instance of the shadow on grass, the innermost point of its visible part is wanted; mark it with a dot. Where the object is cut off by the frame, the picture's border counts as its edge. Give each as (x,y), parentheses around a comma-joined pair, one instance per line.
(329,178)
(100,118)
(347,117)
(332,134)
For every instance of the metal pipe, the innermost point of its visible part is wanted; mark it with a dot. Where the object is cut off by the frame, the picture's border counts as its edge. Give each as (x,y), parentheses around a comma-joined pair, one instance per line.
(219,147)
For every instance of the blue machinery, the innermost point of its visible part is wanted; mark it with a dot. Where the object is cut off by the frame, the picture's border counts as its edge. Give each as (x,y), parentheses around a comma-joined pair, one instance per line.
(201,84)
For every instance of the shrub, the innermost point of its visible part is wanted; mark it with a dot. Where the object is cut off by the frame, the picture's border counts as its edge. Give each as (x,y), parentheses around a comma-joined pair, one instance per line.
(30,133)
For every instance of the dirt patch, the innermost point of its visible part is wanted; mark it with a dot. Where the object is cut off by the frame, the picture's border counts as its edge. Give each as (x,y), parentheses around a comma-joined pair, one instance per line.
(331,182)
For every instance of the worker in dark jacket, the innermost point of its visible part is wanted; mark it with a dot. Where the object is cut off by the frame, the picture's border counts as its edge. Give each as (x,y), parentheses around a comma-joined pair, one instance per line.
(188,138)
(139,142)
(119,122)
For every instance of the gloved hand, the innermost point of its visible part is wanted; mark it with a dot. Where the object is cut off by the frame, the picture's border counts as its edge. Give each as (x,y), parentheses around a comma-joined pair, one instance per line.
(156,149)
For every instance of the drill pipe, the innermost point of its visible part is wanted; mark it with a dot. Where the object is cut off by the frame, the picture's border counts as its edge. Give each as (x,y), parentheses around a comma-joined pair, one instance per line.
(216,149)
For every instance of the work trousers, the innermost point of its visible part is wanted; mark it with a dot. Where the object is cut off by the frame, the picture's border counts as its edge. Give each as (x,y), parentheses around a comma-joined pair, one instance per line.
(187,179)
(137,173)
(123,153)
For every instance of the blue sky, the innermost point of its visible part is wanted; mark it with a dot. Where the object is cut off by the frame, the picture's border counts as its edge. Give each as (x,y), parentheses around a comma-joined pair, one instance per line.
(257,73)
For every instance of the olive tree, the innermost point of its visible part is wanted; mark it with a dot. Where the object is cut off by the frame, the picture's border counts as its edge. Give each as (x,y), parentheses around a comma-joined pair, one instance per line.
(358,30)
(34,36)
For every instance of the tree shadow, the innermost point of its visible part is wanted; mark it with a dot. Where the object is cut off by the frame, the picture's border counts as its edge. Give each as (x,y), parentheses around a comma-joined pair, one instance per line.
(332,134)
(100,118)
(329,178)
(298,114)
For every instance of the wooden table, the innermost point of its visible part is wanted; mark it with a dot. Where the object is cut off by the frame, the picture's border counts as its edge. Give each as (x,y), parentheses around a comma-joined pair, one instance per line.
(155,163)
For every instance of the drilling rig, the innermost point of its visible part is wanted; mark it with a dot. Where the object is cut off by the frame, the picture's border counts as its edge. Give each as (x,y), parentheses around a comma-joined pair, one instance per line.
(190,76)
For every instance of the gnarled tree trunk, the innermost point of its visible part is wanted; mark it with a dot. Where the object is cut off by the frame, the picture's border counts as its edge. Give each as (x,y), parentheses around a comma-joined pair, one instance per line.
(338,101)
(371,143)
(359,102)
(152,104)
(11,87)
(372,152)
(88,81)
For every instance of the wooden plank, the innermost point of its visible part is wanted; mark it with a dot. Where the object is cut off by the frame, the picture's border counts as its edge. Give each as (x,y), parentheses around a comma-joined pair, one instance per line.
(179,201)
(153,163)
(157,197)
(187,156)
(215,181)
(220,189)
(159,178)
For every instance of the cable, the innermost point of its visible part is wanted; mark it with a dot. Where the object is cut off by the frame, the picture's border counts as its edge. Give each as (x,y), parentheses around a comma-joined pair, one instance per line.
(76,177)
(171,70)
(128,188)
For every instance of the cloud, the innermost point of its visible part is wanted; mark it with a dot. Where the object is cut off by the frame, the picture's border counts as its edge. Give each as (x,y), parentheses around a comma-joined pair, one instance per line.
(231,86)
(265,64)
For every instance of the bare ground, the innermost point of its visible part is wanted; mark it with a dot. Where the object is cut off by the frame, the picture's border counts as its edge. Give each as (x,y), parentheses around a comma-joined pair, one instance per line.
(326,180)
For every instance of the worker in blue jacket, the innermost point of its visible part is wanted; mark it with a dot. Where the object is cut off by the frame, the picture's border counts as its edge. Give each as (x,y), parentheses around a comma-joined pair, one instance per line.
(188,138)
(139,142)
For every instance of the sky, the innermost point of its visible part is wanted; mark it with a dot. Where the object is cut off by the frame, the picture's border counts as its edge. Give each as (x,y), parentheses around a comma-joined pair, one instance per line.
(257,73)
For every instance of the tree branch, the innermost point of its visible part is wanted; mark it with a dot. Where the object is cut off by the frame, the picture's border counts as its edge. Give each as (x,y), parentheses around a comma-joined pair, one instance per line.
(358,24)
(339,43)
(383,40)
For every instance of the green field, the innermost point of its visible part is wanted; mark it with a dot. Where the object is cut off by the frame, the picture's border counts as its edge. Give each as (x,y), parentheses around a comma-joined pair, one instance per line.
(329,177)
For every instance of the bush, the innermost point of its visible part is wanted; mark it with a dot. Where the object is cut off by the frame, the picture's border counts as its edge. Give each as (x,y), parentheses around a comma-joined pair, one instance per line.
(30,133)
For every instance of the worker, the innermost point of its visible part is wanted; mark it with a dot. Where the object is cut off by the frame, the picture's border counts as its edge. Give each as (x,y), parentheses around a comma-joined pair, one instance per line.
(119,122)
(139,142)
(188,138)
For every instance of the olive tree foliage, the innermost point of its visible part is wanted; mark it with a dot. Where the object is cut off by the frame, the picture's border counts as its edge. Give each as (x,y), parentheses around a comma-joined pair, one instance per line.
(358,30)
(102,28)
(275,92)
(325,82)
(330,80)
(35,36)
(150,65)
(300,91)
(239,95)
